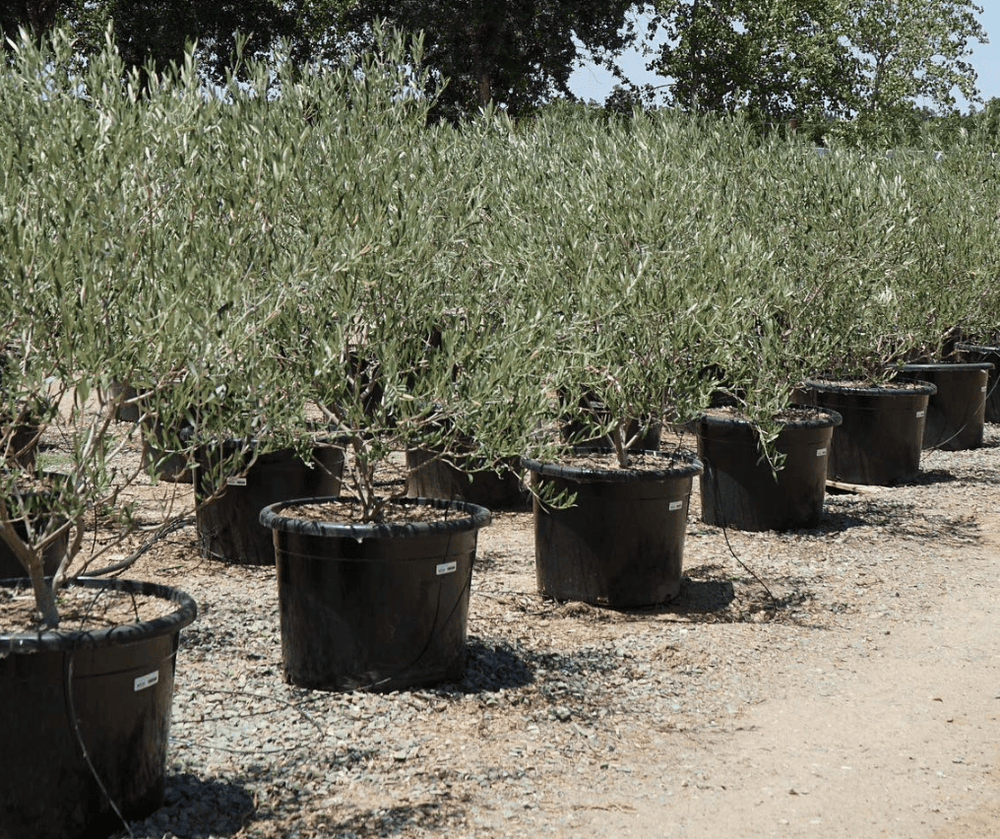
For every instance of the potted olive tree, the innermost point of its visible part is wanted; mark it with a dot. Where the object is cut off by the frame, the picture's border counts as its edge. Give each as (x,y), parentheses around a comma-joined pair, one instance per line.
(373,585)
(602,256)
(132,252)
(86,665)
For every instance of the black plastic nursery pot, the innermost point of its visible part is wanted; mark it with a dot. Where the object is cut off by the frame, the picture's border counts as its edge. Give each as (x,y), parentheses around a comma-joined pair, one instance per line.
(23,442)
(229,527)
(432,476)
(10,566)
(881,436)
(38,513)
(160,456)
(622,543)
(374,606)
(117,683)
(978,353)
(740,488)
(956,414)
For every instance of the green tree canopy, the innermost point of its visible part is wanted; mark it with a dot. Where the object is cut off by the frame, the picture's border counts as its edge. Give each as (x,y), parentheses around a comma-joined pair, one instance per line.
(774,58)
(783,58)
(908,50)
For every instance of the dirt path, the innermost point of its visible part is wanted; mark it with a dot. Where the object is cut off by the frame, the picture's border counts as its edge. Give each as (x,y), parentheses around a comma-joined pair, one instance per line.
(893,735)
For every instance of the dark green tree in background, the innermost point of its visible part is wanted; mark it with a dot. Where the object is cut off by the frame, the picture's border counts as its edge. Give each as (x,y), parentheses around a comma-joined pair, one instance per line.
(157,31)
(514,54)
(511,53)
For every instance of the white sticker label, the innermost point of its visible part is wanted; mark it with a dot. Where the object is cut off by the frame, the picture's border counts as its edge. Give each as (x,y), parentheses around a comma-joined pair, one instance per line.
(236,482)
(920,414)
(820,452)
(983,389)
(147,681)
(676,505)
(447,568)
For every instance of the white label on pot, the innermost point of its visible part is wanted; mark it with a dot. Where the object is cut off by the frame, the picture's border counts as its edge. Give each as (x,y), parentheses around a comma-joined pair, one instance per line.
(920,414)
(147,681)
(676,505)
(236,482)
(447,568)
(820,452)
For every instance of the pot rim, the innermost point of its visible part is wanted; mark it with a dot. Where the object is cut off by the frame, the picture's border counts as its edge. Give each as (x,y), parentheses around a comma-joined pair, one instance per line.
(989,349)
(901,387)
(947,366)
(832,418)
(69,640)
(689,465)
(475,517)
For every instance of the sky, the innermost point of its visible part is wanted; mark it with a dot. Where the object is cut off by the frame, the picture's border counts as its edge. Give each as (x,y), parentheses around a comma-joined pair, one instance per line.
(594,83)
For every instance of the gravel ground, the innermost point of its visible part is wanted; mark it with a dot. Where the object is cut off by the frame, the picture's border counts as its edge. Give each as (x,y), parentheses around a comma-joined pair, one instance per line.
(563,708)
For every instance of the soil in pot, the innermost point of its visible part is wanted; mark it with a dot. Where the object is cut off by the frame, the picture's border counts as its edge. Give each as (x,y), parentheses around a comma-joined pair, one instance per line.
(229,526)
(982,354)
(741,489)
(956,413)
(881,436)
(621,544)
(374,606)
(116,683)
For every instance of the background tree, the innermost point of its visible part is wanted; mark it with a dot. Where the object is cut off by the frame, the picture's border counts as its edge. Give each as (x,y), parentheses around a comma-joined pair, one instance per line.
(775,59)
(510,53)
(780,58)
(35,16)
(157,30)
(909,50)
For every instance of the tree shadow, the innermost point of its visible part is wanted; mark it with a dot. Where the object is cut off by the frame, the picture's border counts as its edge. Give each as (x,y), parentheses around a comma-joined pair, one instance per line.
(702,597)
(197,808)
(493,665)
(929,477)
(394,821)
(900,520)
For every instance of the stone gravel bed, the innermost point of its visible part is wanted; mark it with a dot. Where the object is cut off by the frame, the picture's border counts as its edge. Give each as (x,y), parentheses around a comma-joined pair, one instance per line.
(560,704)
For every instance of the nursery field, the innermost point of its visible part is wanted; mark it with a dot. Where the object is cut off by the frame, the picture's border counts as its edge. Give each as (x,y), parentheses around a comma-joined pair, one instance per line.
(308,262)
(861,701)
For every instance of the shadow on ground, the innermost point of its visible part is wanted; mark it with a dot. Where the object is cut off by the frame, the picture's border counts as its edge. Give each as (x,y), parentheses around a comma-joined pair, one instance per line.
(198,808)
(393,821)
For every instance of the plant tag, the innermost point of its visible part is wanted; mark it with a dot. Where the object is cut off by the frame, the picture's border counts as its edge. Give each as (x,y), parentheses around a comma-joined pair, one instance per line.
(236,482)
(147,681)
(921,413)
(676,505)
(820,452)
(447,568)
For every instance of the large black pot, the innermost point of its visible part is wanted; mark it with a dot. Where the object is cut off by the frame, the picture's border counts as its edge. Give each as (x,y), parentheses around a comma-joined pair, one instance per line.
(37,512)
(956,414)
(741,489)
(117,683)
(431,475)
(229,526)
(881,436)
(982,354)
(374,606)
(621,544)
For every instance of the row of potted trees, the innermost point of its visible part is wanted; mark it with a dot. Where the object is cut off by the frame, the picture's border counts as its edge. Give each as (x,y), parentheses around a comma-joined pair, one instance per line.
(305,268)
